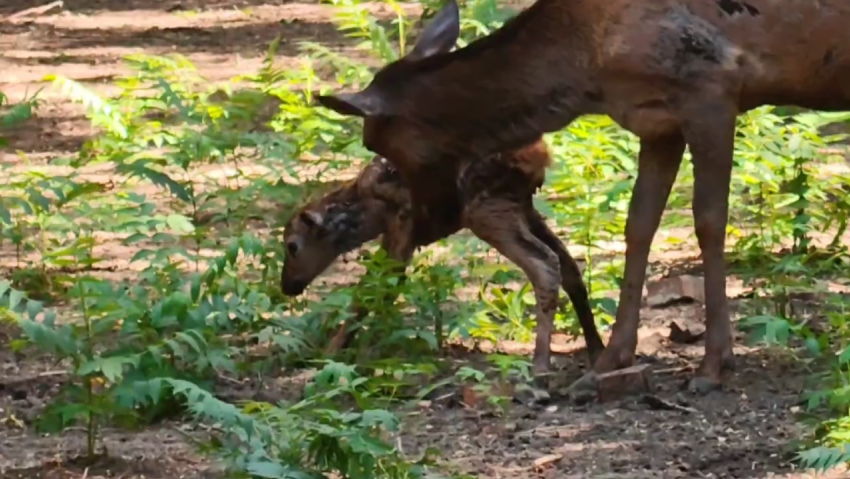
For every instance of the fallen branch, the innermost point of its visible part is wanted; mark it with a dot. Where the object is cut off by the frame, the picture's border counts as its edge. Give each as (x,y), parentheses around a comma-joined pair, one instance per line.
(657,403)
(547,459)
(35,11)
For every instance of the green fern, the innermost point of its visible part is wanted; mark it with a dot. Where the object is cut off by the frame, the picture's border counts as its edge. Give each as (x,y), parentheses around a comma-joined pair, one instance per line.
(823,458)
(101,112)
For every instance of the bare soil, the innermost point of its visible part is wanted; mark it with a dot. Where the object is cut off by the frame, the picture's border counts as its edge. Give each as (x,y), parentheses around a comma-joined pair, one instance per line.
(746,431)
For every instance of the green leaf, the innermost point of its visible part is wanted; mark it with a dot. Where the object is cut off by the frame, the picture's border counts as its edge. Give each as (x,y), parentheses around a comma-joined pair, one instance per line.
(15,298)
(267,469)
(49,338)
(112,367)
(379,417)
(844,357)
(135,237)
(5,214)
(180,223)
(34,308)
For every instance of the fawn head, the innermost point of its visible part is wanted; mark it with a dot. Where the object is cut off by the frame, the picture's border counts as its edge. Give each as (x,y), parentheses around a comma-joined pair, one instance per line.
(330,226)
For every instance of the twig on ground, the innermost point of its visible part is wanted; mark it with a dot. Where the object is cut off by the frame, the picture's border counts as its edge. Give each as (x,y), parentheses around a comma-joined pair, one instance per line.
(34,11)
(534,430)
(660,404)
(547,459)
(677,369)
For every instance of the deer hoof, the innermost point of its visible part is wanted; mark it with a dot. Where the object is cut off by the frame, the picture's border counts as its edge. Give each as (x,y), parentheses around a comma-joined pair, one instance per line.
(612,359)
(708,377)
(540,365)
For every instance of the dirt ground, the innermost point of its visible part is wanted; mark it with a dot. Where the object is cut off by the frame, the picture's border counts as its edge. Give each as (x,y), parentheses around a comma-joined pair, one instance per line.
(746,431)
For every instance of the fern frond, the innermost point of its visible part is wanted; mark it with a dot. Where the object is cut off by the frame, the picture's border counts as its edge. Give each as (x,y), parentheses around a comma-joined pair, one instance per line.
(824,458)
(101,112)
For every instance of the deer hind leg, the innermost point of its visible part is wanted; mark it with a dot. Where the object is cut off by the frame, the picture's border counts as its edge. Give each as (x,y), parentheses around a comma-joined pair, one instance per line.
(658,163)
(710,132)
(503,224)
(571,281)
(399,244)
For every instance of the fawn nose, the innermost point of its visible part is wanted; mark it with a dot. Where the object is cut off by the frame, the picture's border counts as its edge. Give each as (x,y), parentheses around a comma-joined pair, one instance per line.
(292,287)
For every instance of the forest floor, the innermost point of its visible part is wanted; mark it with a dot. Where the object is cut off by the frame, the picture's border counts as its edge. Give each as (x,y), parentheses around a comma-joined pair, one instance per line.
(748,430)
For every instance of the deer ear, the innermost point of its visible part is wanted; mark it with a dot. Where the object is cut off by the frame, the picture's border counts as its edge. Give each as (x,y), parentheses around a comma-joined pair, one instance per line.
(312,218)
(360,104)
(440,35)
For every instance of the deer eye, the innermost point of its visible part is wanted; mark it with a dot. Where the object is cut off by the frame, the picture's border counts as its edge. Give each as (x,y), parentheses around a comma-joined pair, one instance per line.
(292,248)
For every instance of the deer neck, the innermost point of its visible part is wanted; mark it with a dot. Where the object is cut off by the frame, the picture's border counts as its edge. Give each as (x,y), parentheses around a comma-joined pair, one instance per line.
(505,90)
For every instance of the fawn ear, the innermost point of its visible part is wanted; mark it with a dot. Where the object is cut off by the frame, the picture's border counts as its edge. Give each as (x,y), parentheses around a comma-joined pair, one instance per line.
(440,35)
(360,104)
(312,218)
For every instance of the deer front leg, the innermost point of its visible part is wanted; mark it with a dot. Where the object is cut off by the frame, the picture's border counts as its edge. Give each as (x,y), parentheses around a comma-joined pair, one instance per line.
(399,244)
(504,226)
(344,336)
(658,163)
(710,132)
(572,283)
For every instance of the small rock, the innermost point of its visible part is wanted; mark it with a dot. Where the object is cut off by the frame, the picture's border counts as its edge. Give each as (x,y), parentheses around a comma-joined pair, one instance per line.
(668,290)
(531,396)
(683,336)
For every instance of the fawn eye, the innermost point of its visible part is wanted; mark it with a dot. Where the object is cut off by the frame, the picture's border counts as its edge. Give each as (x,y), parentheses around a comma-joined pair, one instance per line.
(292,248)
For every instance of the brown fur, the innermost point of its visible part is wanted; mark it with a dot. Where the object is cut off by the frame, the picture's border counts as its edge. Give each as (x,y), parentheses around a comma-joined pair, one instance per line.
(493,198)
(674,72)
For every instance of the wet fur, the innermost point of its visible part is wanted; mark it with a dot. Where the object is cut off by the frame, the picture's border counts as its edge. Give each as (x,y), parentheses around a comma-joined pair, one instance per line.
(493,198)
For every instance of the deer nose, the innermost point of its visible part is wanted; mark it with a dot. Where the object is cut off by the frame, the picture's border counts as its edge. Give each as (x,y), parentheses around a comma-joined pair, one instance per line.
(292,287)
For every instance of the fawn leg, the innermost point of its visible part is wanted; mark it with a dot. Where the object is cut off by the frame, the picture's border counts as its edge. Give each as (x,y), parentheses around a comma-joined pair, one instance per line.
(710,132)
(572,283)
(504,226)
(398,243)
(343,336)
(658,163)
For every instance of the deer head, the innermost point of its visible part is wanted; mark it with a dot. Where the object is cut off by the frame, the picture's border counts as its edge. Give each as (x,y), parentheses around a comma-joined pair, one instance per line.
(435,106)
(330,226)
(387,130)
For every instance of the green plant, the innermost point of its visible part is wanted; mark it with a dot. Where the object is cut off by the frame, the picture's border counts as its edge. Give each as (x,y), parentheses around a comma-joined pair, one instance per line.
(318,435)
(15,115)
(513,374)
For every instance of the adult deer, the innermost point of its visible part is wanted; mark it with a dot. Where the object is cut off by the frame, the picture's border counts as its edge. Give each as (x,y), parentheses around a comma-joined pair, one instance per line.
(673,72)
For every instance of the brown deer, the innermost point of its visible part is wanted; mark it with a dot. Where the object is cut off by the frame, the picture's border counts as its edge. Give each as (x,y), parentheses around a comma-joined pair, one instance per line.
(673,72)
(492,197)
